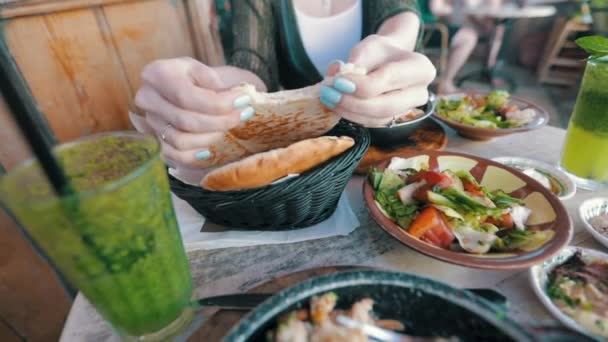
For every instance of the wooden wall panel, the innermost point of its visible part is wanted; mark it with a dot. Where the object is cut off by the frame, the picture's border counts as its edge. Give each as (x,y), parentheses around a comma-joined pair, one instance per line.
(28,39)
(149,30)
(74,74)
(13,149)
(31,299)
(82,60)
(20,8)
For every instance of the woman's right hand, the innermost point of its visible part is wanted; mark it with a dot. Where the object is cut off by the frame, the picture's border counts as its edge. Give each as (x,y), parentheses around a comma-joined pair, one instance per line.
(188,106)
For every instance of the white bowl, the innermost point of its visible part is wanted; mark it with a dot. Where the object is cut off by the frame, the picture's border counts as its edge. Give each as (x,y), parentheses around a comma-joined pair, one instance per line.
(588,210)
(564,182)
(539,276)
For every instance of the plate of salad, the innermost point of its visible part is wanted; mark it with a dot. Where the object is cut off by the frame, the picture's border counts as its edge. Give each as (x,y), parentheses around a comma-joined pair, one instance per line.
(485,115)
(467,210)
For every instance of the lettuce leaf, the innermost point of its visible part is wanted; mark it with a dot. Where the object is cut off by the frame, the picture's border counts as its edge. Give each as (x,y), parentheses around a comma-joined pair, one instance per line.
(497,99)
(464,174)
(390,181)
(401,213)
(526,240)
(463,201)
(502,200)
(375,176)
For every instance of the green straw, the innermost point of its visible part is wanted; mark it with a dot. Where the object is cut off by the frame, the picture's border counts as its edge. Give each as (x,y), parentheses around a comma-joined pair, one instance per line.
(23,108)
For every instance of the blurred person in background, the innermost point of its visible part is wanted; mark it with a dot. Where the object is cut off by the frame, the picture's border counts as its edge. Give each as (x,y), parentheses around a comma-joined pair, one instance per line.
(465,32)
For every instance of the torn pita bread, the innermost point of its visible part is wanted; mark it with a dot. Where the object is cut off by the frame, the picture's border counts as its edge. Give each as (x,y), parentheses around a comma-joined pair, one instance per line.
(264,168)
(280,119)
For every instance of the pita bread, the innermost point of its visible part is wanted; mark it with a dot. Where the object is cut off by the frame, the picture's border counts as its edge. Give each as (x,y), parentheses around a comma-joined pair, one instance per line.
(280,119)
(264,168)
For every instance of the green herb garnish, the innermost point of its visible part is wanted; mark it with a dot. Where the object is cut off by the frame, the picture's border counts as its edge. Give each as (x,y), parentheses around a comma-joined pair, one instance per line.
(596,46)
(555,291)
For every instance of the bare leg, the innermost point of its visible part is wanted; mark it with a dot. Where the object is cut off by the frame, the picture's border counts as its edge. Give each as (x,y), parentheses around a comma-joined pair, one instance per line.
(462,46)
(499,35)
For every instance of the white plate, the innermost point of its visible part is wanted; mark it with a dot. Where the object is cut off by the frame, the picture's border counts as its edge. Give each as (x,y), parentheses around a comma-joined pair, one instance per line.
(539,276)
(591,208)
(565,183)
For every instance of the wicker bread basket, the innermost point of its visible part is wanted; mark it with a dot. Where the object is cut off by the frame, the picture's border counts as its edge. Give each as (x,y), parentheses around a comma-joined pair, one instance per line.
(299,202)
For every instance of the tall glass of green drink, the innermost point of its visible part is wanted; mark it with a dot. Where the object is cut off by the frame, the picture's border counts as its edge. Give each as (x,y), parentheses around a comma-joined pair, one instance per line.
(585,153)
(116,239)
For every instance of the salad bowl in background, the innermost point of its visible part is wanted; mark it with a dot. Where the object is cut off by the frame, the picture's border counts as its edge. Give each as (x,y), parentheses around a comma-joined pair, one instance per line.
(540,118)
(547,212)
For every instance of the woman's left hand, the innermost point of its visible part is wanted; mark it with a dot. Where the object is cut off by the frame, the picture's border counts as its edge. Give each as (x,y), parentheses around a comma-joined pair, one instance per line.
(396,81)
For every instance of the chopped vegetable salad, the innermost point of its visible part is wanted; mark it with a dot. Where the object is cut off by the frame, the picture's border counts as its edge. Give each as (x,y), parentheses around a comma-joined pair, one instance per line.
(450,209)
(491,111)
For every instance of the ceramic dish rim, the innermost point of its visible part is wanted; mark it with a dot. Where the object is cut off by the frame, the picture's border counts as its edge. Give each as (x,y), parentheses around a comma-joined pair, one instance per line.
(597,235)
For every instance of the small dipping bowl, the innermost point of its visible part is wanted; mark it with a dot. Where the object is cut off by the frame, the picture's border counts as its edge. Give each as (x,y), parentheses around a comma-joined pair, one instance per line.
(395,135)
(591,208)
(558,178)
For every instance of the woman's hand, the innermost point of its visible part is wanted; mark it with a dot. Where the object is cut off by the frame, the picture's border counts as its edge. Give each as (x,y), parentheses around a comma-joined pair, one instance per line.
(396,81)
(189,106)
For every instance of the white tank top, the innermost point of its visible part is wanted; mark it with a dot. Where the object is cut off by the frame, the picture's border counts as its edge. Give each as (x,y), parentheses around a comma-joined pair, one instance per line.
(326,39)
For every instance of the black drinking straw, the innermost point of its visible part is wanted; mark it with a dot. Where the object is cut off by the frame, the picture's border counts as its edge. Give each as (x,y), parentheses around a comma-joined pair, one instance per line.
(23,108)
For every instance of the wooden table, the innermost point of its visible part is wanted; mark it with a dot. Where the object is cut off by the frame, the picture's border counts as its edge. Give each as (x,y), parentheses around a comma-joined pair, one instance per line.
(238,269)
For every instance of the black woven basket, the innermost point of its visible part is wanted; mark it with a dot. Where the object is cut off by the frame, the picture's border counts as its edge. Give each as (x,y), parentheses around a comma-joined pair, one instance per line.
(296,203)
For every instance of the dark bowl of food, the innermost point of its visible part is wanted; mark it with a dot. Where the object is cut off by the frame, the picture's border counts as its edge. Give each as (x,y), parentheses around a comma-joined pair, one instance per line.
(395,301)
(402,126)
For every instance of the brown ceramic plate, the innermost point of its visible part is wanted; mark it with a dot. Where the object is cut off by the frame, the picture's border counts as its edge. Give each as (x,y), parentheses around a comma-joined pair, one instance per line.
(478,133)
(547,212)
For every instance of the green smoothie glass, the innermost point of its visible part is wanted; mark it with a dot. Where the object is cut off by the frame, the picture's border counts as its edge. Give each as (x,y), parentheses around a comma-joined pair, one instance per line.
(585,153)
(116,239)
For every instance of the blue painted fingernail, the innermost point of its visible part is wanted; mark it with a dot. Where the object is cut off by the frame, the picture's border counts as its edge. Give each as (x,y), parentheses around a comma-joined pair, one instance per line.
(344,85)
(331,94)
(247,113)
(202,155)
(327,103)
(336,61)
(241,101)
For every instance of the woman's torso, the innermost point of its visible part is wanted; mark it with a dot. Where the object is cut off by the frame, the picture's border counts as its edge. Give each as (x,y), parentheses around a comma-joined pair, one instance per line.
(267,41)
(328,29)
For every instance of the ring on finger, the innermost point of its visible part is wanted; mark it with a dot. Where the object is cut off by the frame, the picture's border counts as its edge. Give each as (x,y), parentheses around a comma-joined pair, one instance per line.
(163,134)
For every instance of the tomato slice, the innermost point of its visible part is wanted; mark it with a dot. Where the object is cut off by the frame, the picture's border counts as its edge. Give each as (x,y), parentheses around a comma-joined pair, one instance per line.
(431,227)
(432,178)
(427,218)
(421,194)
(506,221)
(440,237)
(472,188)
